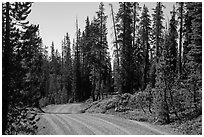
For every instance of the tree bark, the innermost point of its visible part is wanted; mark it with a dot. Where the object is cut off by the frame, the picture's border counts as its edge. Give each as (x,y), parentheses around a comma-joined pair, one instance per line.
(116,40)
(180,41)
(6,72)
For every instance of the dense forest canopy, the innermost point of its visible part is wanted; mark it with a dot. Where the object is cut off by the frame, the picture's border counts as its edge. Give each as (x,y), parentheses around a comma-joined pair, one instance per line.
(160,59)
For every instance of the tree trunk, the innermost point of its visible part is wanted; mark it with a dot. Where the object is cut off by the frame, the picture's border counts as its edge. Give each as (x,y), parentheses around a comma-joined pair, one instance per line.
(180,41)
(172,102)
(6,73)
(116,41)
(134,23)
(166,107)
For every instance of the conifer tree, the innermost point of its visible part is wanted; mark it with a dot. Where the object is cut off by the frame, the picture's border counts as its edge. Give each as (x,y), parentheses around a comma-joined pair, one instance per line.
(157,39)
(18,37)
(77,67)
(67,66)
(161,41)
(181,12)
(144,32)
(158,18)
(124,18)
(86,50)
(194,52)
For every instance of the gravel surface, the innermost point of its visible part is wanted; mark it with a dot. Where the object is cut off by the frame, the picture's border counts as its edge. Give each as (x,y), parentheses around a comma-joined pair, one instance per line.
(68,120)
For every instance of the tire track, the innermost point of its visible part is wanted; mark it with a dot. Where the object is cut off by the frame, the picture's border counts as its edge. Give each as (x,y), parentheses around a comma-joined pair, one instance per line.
(93,129)
(69,128)
(104,125)
(55,126)
(75,127)
(141,127)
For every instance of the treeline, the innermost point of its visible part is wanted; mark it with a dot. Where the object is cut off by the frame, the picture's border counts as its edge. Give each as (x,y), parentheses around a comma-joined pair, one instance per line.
(162,60)
(84,71)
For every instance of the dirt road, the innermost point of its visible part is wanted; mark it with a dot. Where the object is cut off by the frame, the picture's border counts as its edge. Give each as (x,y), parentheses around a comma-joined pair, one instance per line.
(67,120)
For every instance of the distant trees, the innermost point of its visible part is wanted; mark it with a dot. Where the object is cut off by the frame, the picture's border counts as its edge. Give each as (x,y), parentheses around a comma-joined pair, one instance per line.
(86,73)
(95,58)
(67,73)
(77,67)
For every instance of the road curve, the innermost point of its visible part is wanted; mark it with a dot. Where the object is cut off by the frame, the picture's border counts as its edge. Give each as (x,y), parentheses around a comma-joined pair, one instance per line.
(67,120)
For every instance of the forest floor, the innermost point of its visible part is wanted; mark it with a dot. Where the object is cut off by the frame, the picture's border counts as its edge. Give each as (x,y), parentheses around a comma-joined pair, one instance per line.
(114,106)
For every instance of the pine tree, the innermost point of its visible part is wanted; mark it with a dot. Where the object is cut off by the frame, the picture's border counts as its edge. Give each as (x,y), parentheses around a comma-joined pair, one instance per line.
(157,39)
(33,65)
(161,97)
(181,10)
(6,66)
(161,62)
(124,18)
(116,67)
(86,50)
(172,47)
(103,46)
(53,77)
(46,72)
(136,9)
(145,29)
(158,18)
(67,66)
(194,52)
(18,37)
(77,67)
(187,40)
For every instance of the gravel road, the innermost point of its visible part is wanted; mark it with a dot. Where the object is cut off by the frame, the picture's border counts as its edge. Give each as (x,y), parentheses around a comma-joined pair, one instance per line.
(67,120)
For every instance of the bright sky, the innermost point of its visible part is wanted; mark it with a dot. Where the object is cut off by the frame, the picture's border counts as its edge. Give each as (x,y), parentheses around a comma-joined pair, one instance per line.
(57,18)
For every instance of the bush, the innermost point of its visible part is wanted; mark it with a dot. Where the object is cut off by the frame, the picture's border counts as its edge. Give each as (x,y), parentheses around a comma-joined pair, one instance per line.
(43,102)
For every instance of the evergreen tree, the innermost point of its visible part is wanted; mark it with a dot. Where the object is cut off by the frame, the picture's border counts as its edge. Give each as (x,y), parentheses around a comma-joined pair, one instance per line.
(103,46)
(158,18)
(77,67)
(145,29)
(18,83)
(194,52)
(46,72)
(116,52)
(172,47)
(157,39)
(67,65)
(124,18)
(181,10)
(161,41)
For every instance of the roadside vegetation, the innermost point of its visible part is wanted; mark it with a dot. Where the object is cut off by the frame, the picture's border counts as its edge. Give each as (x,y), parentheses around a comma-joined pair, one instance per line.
(137,107)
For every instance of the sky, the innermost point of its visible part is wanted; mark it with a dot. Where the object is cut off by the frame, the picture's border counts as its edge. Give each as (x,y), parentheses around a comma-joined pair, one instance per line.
(57,18)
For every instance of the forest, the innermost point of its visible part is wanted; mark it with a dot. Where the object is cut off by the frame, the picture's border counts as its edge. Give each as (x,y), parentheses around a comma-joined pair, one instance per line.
(160,59)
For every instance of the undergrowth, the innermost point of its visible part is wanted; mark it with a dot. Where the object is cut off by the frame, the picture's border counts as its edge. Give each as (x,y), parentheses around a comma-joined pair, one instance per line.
(135,108)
